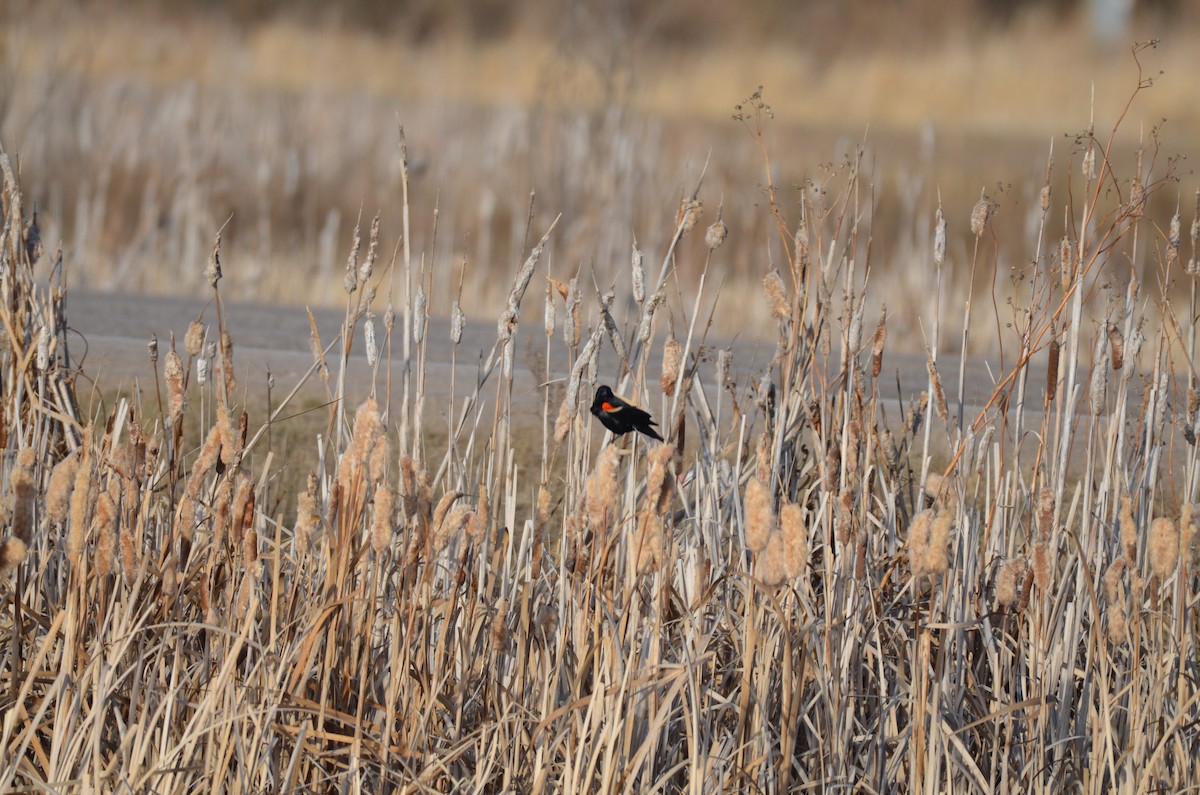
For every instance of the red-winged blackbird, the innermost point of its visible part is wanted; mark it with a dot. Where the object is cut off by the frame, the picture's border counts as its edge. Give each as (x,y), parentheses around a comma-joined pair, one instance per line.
(620,416)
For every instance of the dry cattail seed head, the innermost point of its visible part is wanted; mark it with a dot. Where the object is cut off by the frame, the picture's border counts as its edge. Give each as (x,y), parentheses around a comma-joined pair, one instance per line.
(982,214)
(1052,371)
(1045,197)
(776,294)
(1008,582)
(877,343)
(918,541)
(638,271)
(1066,259)
(1089,163)
(672,353)
(212,274)
(939,237)
(716,234)
(458,322)
(419,319)
(1116,347)
(193,341)
(152,348)
(770,565)
(689,214)
(758,515)
(369,339)
(1163,549)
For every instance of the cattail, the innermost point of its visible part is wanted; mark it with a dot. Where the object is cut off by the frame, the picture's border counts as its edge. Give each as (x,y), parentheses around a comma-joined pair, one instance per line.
(1118,626)
(58,491)
(1041,565)
(452,526)
(1045,513)
(173,374)
(12,553)
(129,559)
(1173,239)
(202,371)
(231,449)
(919,540)
(1137,194)
(658,484)
(24,496)
(891,454)
(762,457)
(1116,347)
(350,280)
(939,394)
(672,353)
(242,512)
(1089,162)
(638,271)
(500,632)
(221,519)
(1163,547)
(770,565)
(843,513)
(193,341)
(1066,259)
(610,325)
(381,519)
(212,274)
(369,339)
(308,516)
(648,543)
(1052,372)
(877,343)
(42,362)
(648,312)
(541,514)
(601,489)
(483,512)
(795,539)
(420,304)
(1045,199)
(106,516)
(562,425)
(758,515)
(152,348)
(364,271)
(982,214)
(1128,529)
(81,502)
(689,214)
(1008,582)
(776,295)
(1113,592)
(1099,382)
(937,552)
(715,235)
(724,360)
(939,237)
(571,320)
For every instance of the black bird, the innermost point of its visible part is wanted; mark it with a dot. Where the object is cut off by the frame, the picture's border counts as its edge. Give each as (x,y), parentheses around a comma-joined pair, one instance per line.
(620,416)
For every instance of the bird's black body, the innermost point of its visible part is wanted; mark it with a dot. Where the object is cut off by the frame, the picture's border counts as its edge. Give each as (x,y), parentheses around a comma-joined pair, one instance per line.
(620,416)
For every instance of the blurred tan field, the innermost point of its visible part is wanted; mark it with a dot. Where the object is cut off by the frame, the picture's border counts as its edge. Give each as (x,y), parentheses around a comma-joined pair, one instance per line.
(911,290)
(148,130)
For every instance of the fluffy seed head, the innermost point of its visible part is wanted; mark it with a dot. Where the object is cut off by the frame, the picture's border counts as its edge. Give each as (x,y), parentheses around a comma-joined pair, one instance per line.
(758,515)
(715,235)
(1008,582)
(193,341)
(776,294)
(1163,549)
(939,237)
(672,353)
(982,214)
